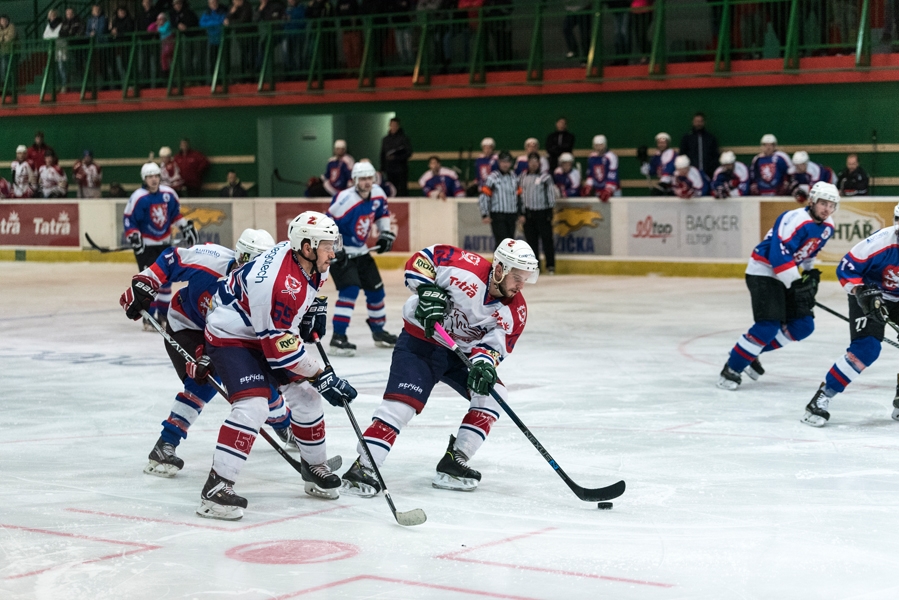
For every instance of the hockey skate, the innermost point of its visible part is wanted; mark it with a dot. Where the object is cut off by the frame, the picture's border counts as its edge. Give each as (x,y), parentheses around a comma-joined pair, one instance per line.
(896,401)
(816,413)
(729,379)
(382,338)
(754,370)
(286,436)
(147,326)
(341,346)
(163,461)
(453,472)
(320,481)
(360,481)
(218,500)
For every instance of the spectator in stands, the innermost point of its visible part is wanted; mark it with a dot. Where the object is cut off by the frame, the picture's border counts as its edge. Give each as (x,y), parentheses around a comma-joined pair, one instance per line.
(267,14)
(566,177)
(170,174)
(641,21)
(233,189)
(147,57)
(295,36)
(121,27)
(521,163)
(117,191)
(37,150)
(538,196)
(185,21)
(853,180)
(401,19)
(89,176)
(240,20)
(73,33)
(689,182)
(97,27)
(52,180)
(661,165)
(213,20)
(485,164)
(322,11)
(7,36)
(499,28)
(193,165)
(559,141)
(576,20)
(443,33)
(499,200)
(439,182)
(396,150)
(621,13)
(769,169)
(24,181)
(700,146)
(602,171)
(731,179)
(351,31)
(163,27)
(805,173)
(339,170)
(51,32)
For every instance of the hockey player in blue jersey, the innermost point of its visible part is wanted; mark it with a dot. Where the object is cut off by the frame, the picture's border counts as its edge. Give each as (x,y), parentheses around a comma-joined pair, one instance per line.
(150,214)
(355,211)
(201,267)
(338,171)
(486,163)
(521,163)
(731,179)
(689,182)
(768,173)
(805,174)
(783,284)
(602,171)
(661,165)
(566,177)
(870,275)
(440,183)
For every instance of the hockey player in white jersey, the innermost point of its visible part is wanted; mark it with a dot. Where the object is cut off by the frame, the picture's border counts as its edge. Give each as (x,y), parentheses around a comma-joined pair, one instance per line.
(255,339)
(481,307)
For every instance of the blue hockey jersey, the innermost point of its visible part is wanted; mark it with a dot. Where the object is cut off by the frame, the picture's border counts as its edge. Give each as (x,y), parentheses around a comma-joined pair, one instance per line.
(873,262)
(731,182)
(569,183)
(484,166)
(769,173)
(793,242)
(338,174)
(661,166)
(355,216)
(153,215)
(602,172)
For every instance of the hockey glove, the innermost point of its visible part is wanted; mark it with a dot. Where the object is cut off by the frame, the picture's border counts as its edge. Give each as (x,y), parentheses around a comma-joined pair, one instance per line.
(200,370)
(604,194)
(341,260)
(870,300)
(138,297)
(433,302)
(315,321)
(335,390)
(190,235)
(481,378)
(136,241)
(385,241)
(804,291)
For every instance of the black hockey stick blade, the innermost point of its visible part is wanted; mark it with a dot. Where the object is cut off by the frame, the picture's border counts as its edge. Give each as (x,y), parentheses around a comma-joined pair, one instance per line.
(102,249)
(599,494)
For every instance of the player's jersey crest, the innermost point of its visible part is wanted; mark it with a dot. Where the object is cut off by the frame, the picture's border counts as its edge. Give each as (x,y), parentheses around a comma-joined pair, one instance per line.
(891,278)
(292,286)
(363,226)
(159,214)
(599,173)
(809,248)
(768,171)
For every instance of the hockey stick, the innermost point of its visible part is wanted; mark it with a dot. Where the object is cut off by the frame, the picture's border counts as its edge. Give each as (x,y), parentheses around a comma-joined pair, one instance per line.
(186,356)
(416,516)
(278,177)
(836,314)
(102,249)
(588,495)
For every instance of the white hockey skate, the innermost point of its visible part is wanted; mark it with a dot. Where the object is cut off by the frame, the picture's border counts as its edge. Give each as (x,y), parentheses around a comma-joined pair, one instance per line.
(816,413)
(729,379)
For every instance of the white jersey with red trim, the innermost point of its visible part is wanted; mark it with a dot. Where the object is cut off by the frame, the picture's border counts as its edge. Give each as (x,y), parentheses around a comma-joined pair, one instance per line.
(484,327)
(260,306)
(53,181)
(24,179)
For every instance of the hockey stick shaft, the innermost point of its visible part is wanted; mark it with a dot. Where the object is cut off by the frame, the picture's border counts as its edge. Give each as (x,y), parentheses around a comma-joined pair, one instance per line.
(102,249)
(612,491)
(410,518)
(845,318)
(186,356)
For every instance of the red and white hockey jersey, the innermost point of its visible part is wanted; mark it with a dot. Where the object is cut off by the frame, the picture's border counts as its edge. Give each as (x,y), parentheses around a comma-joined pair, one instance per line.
(484,327)
(260,307)
(53,181)
(89,178)
(24,179)
(170,175)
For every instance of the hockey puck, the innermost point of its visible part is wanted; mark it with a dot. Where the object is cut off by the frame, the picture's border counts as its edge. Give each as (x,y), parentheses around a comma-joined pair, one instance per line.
(604,505)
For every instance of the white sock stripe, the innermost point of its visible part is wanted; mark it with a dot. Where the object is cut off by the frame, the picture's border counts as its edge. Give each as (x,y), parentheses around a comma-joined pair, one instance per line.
(749,347)
(846,368)
(185,412)
(782,339)
(343,311)
(377,314)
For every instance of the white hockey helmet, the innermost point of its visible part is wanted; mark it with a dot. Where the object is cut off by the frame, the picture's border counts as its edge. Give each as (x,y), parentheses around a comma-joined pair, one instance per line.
(488,141)
(517,254)
(531,141)
(600,140)
(339,144)
(315,227)
(800,157)
(363,169)
(769,138)
(825,191)
(663,136)
(566,157)
(165,151)
(252,243)
(727,158)
(896,216)
(150,168)
(21,149)
(682,161)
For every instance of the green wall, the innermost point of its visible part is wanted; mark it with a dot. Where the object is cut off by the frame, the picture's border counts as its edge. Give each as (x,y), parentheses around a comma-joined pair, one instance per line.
(815,114)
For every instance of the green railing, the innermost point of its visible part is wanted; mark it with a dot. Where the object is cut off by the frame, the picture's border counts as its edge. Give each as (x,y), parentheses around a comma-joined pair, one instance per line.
(531,38)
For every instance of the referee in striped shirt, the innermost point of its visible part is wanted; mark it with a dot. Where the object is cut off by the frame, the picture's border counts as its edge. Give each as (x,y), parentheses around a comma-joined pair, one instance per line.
(538,192)
(500,200)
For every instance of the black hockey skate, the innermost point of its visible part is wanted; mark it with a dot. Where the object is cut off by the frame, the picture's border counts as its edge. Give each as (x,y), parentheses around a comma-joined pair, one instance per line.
(320,481)
(286,436)
(816,413)
(360,480)
(341,346)
(163,461)
(729,379)
(218,500)
(453,472)
(754,370)
(382,338)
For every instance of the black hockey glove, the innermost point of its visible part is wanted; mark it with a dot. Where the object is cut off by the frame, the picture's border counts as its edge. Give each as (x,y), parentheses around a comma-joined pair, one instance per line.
(385,241)
(805,289)
(481,378)
(870,300)
(200,370)
(137,242)
(341,260)
(433,302)
(315,321)
(138,297)
(190,235)
(334,389)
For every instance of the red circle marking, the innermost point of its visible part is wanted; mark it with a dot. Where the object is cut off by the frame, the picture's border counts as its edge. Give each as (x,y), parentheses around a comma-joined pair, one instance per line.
(292,552)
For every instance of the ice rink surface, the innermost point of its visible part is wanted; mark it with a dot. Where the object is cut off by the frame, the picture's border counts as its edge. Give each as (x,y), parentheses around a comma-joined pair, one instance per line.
(728,494)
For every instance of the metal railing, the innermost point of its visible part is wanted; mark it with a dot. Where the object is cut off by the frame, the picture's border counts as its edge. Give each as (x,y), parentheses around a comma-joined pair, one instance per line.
(419,45)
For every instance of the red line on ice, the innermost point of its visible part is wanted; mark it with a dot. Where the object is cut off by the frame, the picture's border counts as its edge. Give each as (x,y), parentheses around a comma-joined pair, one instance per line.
(203,526)
(432,586)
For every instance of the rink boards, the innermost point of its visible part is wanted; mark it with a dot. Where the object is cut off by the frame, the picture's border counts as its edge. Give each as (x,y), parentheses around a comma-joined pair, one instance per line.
(629,235)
